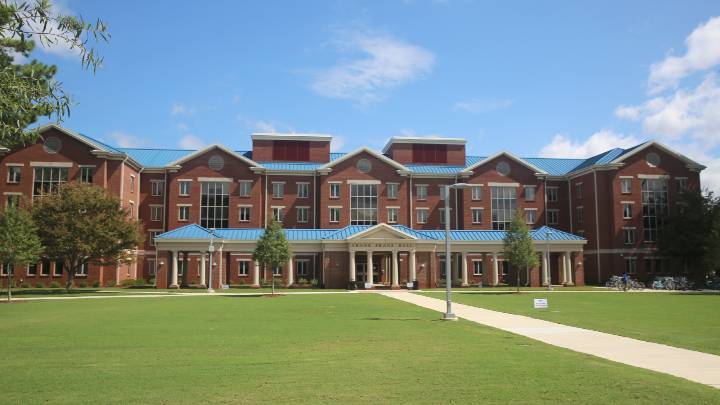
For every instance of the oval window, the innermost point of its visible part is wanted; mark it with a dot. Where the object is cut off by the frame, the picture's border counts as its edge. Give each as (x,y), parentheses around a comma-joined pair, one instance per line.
(652,159)
(503,168)
(52,145)
(216,163)
(364,166)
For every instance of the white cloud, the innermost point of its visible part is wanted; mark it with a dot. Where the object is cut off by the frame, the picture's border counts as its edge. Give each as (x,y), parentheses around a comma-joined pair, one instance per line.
(386,63)
(264,126)
(189,141)
(565,147)
(703,52)
(126,140)
(181,109)
(53,44)
(477,106)
(337,143)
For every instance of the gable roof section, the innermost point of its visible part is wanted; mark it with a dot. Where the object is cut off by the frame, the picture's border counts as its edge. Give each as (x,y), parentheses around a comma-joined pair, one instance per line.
(209,148)
(94,143)
(509,155)
(368,151)
(156,158)
(192,231)
(636,149)
(380,227)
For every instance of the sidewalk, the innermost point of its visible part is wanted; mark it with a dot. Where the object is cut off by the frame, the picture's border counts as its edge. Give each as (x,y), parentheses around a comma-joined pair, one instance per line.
(695,366)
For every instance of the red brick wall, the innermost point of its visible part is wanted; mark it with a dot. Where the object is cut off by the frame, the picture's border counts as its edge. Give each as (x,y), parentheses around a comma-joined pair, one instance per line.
(403,153)
(291,201)
(263,151)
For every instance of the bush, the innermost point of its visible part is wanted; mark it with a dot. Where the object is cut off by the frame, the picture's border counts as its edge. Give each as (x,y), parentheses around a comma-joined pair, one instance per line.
(303,281)
(151,281)
(96,284)
(54,284)
(83,284)
(314,282)
(25,285)
(39,285)
(110,283)
(131,282)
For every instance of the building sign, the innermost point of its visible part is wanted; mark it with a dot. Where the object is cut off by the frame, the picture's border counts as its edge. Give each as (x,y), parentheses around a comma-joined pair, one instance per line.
(386,244)
(540,303)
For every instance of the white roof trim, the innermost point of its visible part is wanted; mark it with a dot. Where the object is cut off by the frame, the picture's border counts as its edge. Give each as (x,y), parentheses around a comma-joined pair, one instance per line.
(381,226)
(666,149)
(271,136)
(74,135)
(370,152)
(214,146)
(509,155)
(424,140)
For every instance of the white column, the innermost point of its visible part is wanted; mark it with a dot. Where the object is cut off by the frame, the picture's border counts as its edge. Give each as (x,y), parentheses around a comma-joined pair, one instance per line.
(412,275)
(563,270)
(202,269)
(291,272)
(394,259)
(454,267)
(174,271)
(464,269)
(256,274)
(495,278)
(544,268)
(352,266)
(569,276)
(369,270)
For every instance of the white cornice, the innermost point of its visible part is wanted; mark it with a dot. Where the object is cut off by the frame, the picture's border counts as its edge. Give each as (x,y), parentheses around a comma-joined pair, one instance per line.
(424,140)
(269,136)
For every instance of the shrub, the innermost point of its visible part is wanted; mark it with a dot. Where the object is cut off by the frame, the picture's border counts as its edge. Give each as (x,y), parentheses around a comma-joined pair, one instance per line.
(83,284)
(110,283)
(25,285)
(314,282)
(96,284)
(131,282)
(303,281)
(54,284)
(39,285)
(151,281)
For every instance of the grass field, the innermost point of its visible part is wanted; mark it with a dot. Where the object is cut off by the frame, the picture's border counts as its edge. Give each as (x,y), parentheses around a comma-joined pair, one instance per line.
(684,320)
(352,348)
(57,292)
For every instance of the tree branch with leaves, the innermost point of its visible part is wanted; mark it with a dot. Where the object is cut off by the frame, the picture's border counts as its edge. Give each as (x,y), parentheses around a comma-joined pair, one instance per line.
(518,246)
(272,249)
(19,241)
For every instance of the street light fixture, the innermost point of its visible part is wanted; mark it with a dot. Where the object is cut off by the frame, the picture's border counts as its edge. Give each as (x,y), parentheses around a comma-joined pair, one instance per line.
(211,250)
(448,315)
(547,258)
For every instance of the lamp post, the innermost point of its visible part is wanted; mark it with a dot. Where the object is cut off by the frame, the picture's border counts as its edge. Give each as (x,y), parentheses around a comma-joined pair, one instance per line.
(547,258)
(211,250)
(448,315)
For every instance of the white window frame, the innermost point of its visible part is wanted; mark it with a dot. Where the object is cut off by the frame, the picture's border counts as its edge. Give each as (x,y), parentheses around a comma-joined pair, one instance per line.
(626,204)
(152,266)
(156,212)
(277,271)
(556,215)
(303,186)
(334,209)
(630,269)
(243,207)
(304,265)
(392,219)
(84,169)
(526,190)
(421,196)
(626,180)
(580,214)
(480,211)
(83,270)
(441,192)
(476,192)
(302,218)
(335,188)
(681,184)
(395,187)
(278,189)
(534,213)
(442,215)
(627,230)
(552,193)
(12,196)
(157,188)
(132,183)
(578,190)
(10,168)
(475,267)
(244,188)
(181,185)
(186,208)
(243,270)
(278,213)
(425,215)
(153,233)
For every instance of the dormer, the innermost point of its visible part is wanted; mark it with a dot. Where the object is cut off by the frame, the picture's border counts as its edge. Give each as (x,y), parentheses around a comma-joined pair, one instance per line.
(426,150)
(274,147)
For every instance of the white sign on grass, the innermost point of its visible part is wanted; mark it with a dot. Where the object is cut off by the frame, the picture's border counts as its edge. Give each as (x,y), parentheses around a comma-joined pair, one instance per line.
(540,303)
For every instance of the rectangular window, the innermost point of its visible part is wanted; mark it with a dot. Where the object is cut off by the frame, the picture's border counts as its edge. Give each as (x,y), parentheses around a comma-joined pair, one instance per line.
(631,265)
(156,212)
(421,215)
(132,183)
(334,190)
(151,266)
(681,183)
(184,188)
(131,209)
(553,217)
(625,185)
(627,211)
(579,191)
(443,191)
(291,151)
(629,236)
(47,179)
(302,214)
(158,188)
(278,214)
(244,188)
(476,193)
(303,190)
(182,267)
(87,173)
(363,204)
(552,194)
(277,271)
(529,193)
(244,214)
(504,205)
(530,216)
(654,200)
(14,174)
(334,214)
(45,267)
(477,215)
(478,267)
(12,200)
(429,153)
(442,215)
(392,215)
(243,267)
(421,192)
(6,269)
(214,204)
(153,234)
(32,269)
(579,214)
(302,267)
(83,270)
(392,191)
(58,269)
(184,213)
(278,189)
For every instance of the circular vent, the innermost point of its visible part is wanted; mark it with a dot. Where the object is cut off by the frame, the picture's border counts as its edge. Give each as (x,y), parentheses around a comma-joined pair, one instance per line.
(216,163)
(52,145)
(503,168)
(652,159)
(364,165)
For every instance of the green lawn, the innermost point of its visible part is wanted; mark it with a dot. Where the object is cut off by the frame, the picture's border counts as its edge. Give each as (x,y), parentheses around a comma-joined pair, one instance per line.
(684,320)
(350,348)
(59,292)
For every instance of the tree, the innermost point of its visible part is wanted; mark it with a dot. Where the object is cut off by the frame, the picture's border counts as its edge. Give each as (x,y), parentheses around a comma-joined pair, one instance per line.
(29,91)
(82,224)
(518,246)
(691,233)
(19,241)
(272,249)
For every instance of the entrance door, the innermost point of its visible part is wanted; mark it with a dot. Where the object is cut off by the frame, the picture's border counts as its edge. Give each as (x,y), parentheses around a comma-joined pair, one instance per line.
(360,269)
(378,269)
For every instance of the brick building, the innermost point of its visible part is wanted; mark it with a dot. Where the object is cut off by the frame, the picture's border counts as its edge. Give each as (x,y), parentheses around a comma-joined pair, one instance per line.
(346,213)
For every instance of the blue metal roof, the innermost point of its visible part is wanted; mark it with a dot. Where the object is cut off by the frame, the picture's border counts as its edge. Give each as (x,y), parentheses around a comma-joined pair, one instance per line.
(102,144)
(156,157)
(434,169)
(192,231)
(555,166)
(292,166)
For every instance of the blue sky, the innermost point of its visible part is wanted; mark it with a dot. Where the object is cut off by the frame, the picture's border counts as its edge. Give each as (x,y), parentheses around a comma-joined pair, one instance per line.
(536,78)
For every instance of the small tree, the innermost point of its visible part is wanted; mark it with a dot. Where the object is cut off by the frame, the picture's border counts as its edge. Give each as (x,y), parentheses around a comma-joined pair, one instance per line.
(19,241)
(518,246)
(82,224)
(272,249)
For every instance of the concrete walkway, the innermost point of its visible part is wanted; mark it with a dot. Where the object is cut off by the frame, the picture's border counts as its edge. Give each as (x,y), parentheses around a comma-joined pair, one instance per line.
(695,366)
